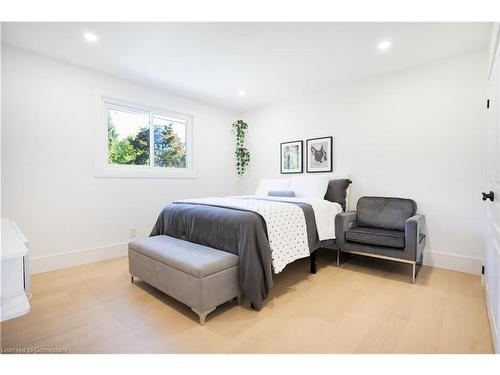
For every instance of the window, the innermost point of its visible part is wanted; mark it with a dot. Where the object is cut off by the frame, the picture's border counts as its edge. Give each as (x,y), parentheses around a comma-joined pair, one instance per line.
(144,142)
(128,136)
(169,142)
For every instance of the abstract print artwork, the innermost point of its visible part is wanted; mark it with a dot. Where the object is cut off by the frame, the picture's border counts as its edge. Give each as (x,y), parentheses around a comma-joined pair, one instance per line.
(291,157)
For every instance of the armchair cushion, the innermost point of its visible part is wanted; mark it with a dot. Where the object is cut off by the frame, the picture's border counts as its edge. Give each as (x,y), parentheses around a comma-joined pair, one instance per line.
(385,213)
(376,236)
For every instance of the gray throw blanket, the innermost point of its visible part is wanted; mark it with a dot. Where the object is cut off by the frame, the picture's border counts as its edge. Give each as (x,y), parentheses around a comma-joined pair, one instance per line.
(236,231)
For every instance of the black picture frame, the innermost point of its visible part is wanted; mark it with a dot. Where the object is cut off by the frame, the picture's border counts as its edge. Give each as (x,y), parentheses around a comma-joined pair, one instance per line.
(300,157)
(326,153)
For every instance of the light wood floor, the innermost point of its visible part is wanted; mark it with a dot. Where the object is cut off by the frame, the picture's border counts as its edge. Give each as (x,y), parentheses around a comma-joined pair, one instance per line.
(366,306)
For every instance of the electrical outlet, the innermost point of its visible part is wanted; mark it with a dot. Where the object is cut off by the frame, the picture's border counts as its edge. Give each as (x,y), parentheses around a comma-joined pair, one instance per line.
(132,232)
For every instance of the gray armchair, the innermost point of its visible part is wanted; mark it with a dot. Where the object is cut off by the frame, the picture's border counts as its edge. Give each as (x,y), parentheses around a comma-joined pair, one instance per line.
(385,228)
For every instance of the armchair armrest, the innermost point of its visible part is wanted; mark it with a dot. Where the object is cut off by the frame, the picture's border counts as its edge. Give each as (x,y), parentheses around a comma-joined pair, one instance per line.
(343,222)
(413,229)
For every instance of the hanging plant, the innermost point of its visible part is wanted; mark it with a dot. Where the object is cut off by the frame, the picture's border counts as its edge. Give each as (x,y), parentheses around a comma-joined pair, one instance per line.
(242,154)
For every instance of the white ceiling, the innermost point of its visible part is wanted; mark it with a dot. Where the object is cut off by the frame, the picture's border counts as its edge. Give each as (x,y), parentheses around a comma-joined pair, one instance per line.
(270,61)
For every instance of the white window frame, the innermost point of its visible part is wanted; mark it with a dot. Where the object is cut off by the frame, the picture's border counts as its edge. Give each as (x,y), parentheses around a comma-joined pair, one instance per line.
(104,169)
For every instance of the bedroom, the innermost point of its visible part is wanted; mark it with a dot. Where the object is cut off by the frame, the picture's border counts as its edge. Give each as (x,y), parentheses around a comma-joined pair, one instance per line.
(188,187)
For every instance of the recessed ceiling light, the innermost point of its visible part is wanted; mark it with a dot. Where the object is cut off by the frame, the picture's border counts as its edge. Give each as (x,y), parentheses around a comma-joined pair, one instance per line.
(241,93)
(384,45)
(90,37)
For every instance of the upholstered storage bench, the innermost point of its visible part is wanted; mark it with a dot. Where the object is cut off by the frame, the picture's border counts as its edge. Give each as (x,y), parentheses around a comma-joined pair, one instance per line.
(196,275)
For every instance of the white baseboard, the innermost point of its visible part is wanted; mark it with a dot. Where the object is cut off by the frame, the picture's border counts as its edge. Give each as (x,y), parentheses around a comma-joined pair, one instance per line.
(76,258)
(491,316)
(453,262)
(85,256)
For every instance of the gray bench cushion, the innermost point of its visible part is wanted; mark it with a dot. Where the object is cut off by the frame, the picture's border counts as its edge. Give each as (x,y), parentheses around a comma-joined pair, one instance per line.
(385,213)
(196,260)
(375,236)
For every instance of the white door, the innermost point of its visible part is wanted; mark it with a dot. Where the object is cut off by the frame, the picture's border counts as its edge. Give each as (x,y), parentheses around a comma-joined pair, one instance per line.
(492,256)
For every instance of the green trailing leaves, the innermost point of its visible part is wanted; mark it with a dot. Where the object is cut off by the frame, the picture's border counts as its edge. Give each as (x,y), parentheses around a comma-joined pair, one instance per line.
(241,153)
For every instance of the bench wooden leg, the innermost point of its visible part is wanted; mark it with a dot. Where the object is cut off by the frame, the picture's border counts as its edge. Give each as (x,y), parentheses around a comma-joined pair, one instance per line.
(202,314)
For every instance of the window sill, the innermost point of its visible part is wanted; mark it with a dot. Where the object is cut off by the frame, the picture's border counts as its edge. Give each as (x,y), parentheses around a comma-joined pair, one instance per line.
(131,172)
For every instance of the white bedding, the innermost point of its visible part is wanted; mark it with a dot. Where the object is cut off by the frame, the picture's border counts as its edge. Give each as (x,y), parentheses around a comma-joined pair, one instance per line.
(288,242)
(324,212)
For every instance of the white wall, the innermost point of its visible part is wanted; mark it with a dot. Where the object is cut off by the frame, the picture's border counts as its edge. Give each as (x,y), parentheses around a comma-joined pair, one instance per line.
(49,114)
(418,133)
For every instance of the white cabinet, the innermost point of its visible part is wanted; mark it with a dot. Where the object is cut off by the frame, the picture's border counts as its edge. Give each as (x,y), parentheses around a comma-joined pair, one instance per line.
(14,272)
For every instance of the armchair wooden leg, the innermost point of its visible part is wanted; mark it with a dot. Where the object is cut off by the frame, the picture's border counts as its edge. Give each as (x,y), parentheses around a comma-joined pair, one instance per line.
(414,272)
(338,257)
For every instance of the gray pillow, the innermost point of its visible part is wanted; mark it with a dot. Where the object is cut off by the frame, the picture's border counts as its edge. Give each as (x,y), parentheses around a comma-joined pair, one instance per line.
(337,191)
(281,193)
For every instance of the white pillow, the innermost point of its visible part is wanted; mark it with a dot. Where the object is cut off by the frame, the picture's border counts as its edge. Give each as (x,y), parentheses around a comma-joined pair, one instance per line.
(272,184)
(309,186)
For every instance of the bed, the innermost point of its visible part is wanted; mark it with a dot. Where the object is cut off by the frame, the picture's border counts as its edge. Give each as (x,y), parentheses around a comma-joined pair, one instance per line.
(267,230)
